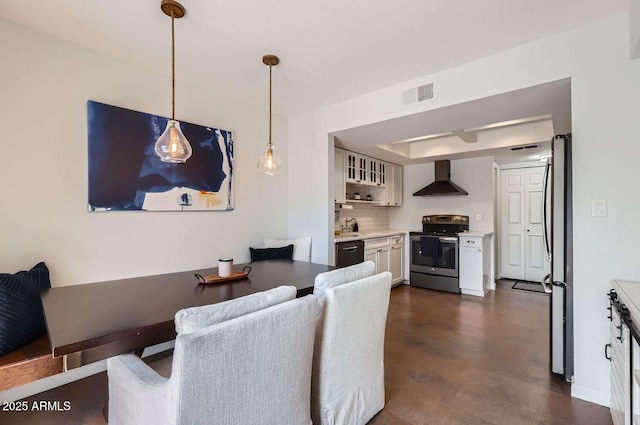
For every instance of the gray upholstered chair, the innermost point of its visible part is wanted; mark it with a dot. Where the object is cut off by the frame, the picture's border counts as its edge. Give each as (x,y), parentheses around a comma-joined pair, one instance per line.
(245,361)
(347,385)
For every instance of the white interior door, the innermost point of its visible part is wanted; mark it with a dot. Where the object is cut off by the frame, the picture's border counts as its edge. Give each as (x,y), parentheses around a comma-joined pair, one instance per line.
(512,224)
(536,267)
(521,239)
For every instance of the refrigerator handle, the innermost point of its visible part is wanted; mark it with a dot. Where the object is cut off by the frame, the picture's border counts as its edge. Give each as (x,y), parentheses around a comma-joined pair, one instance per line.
(547,288)
(545,219)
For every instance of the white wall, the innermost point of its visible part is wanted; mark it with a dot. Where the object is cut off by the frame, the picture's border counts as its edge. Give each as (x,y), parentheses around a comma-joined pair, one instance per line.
(369,217)
(43,177)
(634,29)
(473,175)
(605,101)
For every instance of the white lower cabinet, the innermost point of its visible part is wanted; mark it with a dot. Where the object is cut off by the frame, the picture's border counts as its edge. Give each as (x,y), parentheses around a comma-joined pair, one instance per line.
(623,351)
(380,256)
(474,267)
(388,255)
(377,250)
(620,369)
(396,259)
(371,255)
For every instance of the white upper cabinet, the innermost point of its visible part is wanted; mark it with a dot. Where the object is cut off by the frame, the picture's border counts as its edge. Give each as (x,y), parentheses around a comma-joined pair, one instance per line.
(382,173)
(357,168)
(372,168)
(350,167)
(394,185)
(339,174)
(362,170)
(377,175)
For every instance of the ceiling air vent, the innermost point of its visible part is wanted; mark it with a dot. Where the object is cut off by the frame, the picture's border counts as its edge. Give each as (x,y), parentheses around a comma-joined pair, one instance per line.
(417,94)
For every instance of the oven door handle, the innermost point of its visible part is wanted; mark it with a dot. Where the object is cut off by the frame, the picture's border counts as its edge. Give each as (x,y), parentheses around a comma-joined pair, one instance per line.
(448,239)
(441,238)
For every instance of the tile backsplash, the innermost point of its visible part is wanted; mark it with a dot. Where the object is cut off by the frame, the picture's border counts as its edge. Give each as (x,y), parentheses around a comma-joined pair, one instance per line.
(369,217)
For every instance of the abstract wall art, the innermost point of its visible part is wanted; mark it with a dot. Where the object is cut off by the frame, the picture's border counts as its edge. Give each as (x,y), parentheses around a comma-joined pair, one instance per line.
(125,174)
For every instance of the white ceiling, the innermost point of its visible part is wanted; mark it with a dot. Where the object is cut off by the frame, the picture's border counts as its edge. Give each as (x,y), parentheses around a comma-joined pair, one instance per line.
(330,50)
(549,104)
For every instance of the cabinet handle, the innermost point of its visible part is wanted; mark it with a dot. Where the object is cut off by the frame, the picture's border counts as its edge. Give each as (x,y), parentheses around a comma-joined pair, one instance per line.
(610,316)
(606,351)
(619,338)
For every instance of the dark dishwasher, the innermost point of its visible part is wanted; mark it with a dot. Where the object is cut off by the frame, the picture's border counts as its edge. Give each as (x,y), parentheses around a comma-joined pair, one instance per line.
(349,253)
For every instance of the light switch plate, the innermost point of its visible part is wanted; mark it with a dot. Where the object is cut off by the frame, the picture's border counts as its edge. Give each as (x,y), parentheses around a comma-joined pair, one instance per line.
(598,208)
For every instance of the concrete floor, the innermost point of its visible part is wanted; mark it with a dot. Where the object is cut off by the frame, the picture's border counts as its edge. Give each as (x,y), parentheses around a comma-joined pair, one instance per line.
(449,359)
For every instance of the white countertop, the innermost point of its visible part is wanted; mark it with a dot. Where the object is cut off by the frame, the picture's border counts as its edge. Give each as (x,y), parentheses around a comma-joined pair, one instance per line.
(355,236)
(476,234)
(629,294)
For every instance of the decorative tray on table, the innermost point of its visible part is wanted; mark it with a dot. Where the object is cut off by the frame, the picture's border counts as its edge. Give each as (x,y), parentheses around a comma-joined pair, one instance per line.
(214,278)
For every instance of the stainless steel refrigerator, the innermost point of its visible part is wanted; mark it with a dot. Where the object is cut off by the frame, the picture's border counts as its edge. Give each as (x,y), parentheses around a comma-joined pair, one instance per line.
(558,237)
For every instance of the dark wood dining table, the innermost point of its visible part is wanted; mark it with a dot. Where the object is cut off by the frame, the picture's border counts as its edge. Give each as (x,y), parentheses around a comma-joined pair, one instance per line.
(91,322)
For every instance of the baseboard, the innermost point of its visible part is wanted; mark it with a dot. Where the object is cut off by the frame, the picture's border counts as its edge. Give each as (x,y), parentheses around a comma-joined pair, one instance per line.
(404,282)
(37,387)
(589,394)
(473,292)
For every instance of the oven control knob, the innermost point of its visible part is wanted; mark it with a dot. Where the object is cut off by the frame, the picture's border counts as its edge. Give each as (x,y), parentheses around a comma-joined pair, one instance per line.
(432,269)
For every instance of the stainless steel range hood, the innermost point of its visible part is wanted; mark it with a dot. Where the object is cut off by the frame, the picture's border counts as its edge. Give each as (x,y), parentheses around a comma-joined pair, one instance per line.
(443,186)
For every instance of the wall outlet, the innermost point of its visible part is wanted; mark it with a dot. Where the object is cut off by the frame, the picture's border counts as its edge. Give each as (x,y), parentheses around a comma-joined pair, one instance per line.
(598,208)
(478,217)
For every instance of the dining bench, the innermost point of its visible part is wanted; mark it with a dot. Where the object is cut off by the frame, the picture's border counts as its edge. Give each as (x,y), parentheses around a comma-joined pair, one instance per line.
(29,363)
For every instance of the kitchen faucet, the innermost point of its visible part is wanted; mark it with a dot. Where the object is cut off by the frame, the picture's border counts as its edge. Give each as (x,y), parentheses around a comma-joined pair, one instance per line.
(346,227)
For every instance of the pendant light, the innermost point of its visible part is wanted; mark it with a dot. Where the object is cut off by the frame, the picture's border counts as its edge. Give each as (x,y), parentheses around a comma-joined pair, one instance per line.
(172,146)
(270,163)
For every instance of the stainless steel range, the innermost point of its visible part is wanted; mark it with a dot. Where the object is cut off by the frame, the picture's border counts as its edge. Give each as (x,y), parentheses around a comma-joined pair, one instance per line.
(434,252)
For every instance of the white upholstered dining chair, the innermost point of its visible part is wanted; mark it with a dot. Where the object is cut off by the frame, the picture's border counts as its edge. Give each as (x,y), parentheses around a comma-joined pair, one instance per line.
(347,385)
(245,361)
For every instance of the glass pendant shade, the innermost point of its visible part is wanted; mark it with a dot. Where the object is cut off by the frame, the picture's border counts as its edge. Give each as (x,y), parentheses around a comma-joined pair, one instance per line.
(172,146)
(269,162)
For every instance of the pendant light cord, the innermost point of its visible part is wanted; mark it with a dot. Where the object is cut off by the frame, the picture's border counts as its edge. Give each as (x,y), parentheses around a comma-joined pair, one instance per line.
(270,144)
(173,69)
